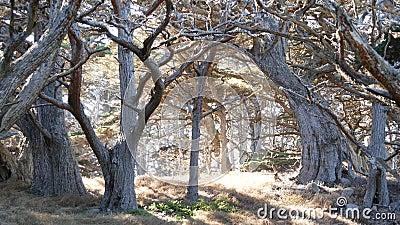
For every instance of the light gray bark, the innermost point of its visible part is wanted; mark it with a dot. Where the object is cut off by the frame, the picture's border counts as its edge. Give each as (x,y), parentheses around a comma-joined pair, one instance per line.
(322,141)
(378,67)
(14,73)
(119,192)
(55,169)
(377,183)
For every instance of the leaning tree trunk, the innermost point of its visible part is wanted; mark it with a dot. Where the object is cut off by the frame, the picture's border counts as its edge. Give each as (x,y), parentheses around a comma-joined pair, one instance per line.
(377,183)
(55,169)
(322,141)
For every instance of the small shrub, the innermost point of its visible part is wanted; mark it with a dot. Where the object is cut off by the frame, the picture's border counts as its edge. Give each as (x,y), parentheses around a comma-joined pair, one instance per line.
(174,208)
(76,133)
(181,210)
(139,212)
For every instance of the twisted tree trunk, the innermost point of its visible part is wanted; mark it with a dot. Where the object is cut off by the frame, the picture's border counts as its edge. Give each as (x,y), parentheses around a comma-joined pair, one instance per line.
(322,141)
(55,167)
(14,72)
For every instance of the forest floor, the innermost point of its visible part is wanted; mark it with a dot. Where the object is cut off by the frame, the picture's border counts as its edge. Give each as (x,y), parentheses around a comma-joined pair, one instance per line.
(245,192)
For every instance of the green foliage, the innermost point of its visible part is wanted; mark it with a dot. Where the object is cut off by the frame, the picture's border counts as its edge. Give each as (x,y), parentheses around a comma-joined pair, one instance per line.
(65,44)
(106,49)
(221,205)
(180,210)
(173,207)
(139,212)
(380,48)
(76,133)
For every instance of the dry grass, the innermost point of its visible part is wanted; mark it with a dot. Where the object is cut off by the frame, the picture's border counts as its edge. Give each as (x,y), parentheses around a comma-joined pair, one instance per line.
(17,206)
(247,191)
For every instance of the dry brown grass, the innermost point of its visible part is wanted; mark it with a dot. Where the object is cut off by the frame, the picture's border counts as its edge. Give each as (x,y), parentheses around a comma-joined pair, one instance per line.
(247,191)
(17,206)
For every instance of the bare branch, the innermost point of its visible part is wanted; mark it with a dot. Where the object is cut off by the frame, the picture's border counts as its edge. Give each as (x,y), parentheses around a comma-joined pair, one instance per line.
(55,102)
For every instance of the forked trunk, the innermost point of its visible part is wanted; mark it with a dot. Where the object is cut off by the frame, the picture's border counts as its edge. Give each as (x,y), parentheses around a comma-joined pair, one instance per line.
(120,194)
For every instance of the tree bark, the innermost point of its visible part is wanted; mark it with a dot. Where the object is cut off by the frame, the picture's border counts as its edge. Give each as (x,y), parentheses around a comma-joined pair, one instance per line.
(120,193)
(14,73)
(193,186)
(377,191)
(378,67)
(322,141)
(55,167)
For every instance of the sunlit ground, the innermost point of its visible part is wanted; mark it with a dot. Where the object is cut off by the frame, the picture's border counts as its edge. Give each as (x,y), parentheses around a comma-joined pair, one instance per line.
(246,191)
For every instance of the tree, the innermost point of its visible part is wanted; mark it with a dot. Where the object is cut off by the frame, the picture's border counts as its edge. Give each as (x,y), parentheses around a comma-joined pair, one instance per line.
(377,183)
(322,141)
(193,186)
(122,177)
(55,168)
(18,61)
(376,65)
(117,163)
(301,48)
